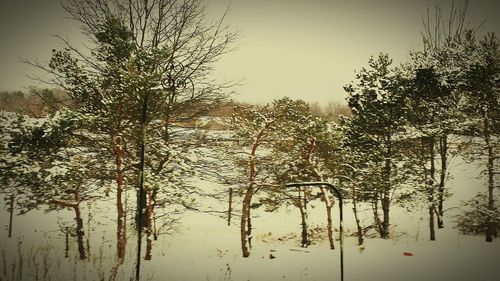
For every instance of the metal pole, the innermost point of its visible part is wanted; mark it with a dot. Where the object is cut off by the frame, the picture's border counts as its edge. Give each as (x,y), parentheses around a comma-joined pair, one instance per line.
(335,191)
(141,198)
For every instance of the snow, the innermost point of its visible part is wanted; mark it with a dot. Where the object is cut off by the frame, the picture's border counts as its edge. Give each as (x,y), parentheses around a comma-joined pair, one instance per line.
(206,248)
(55,171)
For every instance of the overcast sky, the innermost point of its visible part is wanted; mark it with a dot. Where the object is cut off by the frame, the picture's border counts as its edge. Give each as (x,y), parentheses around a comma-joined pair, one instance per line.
(296,48)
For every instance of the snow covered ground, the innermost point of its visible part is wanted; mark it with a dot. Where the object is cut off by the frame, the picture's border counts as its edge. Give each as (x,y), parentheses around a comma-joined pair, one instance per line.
(203,247)
(206,248)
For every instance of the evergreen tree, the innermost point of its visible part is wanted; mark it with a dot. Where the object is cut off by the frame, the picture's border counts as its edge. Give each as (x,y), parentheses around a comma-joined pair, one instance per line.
(433,118)
(148,62)
(481,83)
(378,107)
(311,152)
(259,128)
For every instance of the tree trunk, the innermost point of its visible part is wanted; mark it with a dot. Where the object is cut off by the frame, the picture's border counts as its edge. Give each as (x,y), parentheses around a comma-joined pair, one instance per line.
(355,211)
(326,199)
(432,232)
(150,206)
(376,217)
(431,184)
(79,223)
(121,238)
(490,224)
(245,226)
(149,247)
(89,224)
(329,219)
(385,209)
(230,208)
(443,151)
(11,214)
(79,232)
(249,228)
(66,248)
(120,188)
(246,223)
(386,200)
(302,204)
(141,192)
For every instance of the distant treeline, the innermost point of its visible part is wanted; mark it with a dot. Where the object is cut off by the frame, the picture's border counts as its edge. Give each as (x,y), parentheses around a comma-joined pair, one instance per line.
(36,102)
(42,102)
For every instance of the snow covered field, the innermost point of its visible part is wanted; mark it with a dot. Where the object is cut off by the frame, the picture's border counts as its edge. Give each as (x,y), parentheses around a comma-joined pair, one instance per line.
(203,247)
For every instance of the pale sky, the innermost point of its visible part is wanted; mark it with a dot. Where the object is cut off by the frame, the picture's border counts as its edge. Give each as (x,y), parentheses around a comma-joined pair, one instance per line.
(296,48)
